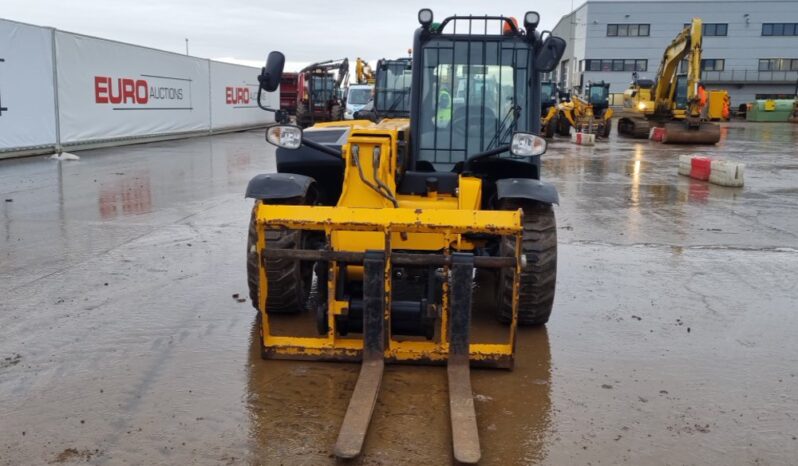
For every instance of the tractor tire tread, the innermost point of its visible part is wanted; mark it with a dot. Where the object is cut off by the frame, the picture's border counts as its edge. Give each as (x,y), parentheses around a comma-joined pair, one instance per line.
(286,286)
(538,278)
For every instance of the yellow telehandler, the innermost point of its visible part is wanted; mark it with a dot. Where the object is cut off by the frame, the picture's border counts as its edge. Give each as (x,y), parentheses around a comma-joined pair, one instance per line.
(379,230)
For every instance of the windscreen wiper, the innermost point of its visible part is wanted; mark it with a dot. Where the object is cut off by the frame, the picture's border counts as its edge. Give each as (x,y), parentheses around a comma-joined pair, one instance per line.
(397,100)
(502,133)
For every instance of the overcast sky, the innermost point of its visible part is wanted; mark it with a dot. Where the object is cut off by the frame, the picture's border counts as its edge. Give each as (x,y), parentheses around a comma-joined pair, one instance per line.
(245,31)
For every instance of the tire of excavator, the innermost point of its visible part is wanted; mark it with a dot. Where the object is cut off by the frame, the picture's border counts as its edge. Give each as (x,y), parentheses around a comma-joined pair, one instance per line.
(634,129)
(539,276)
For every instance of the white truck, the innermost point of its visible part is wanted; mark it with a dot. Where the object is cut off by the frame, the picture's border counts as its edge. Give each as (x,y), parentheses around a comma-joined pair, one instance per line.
(357,96)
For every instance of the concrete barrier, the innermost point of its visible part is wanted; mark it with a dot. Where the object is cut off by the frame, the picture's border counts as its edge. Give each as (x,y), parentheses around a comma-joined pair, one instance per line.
(719,172)
(700,168)
(583,139)
(656,134)
(685,164)
(725,173)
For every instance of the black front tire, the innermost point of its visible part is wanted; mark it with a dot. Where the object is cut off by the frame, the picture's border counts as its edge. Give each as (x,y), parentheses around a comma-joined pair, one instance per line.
(563,126)
(289,281)
(538,278)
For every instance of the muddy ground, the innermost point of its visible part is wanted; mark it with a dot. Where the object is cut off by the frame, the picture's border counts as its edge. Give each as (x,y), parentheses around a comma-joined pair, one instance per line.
(673,338)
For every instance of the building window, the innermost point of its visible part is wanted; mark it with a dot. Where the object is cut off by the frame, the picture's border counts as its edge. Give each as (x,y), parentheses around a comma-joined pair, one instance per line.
(707,64)
(719,29)
(773,96)
(778,64)
(713,29)
(780,29)
(713,64)
(616,65)
(628,30)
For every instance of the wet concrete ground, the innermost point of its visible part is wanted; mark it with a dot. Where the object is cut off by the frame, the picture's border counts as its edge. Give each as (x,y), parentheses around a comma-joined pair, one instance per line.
(673,338)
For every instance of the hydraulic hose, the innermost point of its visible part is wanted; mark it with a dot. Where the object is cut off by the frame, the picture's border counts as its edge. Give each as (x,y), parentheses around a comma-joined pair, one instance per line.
(376,188)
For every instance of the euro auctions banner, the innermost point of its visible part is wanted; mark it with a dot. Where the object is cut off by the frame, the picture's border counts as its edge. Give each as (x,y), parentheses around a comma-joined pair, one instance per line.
(27,102)
(109,90)
(234,93)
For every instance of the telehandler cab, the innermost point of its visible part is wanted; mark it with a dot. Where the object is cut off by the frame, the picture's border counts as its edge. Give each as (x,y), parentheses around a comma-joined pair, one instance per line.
(385,224)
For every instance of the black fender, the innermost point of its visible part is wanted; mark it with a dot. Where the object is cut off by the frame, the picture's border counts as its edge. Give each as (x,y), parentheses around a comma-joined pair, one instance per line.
(272,186)
(527,188)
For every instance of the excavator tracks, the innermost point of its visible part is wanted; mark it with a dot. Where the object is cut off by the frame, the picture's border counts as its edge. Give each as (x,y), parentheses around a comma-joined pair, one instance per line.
(638,128)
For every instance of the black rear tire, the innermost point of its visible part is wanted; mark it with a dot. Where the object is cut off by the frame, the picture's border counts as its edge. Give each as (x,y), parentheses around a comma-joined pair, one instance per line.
(549,130)
(289,281)
(336,113)
(303,117)
(563,125)
(538,278)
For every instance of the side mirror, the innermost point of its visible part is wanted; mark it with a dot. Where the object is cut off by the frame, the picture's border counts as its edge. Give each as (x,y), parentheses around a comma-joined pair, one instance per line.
(549,54)
(270,74)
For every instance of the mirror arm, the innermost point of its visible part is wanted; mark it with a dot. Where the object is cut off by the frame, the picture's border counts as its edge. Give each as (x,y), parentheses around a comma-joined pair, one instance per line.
(482,155)
(279,115)
(260,90)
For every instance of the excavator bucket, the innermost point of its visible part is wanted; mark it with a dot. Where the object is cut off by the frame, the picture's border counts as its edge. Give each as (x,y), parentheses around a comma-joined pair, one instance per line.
(382,316)
(681,133)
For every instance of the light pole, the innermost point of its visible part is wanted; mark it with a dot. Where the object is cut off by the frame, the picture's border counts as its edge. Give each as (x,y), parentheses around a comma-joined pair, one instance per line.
(186,45)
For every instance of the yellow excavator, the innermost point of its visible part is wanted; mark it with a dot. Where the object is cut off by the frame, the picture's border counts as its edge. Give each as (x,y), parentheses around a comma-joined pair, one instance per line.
(589,114)
(363,72)
(375,233)
(672,99)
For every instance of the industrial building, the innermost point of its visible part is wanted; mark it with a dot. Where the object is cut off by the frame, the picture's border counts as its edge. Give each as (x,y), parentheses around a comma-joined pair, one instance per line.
(750,48)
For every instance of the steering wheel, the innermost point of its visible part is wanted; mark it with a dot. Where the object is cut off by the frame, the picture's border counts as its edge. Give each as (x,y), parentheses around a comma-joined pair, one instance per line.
(462,120)
(458,124)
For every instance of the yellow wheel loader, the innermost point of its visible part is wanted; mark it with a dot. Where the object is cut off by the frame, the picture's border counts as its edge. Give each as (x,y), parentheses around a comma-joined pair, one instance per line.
(589,114)
(377,231)
(672,100)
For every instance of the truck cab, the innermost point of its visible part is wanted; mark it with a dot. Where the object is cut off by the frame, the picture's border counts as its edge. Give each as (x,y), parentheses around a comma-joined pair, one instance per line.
(357,96)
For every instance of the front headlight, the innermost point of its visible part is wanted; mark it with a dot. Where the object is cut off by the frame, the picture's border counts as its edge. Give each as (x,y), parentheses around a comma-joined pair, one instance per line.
(641,106)
(527,145)
(285,136)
